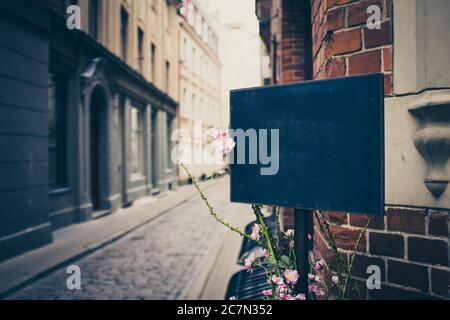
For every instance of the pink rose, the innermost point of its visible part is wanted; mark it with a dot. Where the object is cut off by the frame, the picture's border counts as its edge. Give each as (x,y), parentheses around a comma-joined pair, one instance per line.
(248,265)
(319,292)
(265,253)
(291,276)
(313,277)
(335,279)
(214,133)
(282,288)
(224,144)
(255,232)
(300,296)
(277,280)
(228,145)
(319,265)
(286,296)
(312,288)
(267,292)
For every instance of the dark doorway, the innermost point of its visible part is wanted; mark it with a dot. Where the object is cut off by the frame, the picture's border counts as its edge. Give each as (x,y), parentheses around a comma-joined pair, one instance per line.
(96,145)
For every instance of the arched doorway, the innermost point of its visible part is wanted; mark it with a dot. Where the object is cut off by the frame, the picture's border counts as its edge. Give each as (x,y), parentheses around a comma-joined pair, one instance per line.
(97,147)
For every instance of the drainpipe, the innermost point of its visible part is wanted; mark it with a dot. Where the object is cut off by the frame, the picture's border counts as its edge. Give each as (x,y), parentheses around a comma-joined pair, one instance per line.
(274,59)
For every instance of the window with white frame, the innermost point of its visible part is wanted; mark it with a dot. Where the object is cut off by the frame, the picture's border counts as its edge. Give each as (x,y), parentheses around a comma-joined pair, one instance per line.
(184,49)
(191,14)
(198,23)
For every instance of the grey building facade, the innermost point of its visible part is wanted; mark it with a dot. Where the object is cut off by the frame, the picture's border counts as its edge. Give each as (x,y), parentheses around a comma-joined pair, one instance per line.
(82,133)
(24,48)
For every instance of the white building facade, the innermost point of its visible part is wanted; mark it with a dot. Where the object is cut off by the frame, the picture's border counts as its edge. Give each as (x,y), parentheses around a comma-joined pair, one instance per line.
(201,106)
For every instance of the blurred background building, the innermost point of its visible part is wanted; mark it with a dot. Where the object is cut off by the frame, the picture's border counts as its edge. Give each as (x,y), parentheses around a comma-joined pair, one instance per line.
(86,114)
(201,102)
(100,104)
(218,45)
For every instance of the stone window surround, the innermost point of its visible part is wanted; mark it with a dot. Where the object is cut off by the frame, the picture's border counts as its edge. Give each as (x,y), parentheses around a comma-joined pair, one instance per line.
(421,102)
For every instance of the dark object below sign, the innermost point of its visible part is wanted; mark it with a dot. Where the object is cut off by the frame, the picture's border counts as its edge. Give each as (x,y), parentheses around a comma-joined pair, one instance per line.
(331,145)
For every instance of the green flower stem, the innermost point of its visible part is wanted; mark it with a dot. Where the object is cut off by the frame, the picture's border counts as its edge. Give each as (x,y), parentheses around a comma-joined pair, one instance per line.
(342,266)
(269,276)
(349,276)
(326,231)
(210,207)
(293,257)
(278,222)
(266,236)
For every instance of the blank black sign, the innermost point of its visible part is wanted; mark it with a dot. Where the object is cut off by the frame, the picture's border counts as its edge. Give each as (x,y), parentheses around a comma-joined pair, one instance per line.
(331,144)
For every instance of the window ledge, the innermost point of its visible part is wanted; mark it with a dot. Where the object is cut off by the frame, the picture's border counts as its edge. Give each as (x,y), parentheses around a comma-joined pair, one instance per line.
(137,177)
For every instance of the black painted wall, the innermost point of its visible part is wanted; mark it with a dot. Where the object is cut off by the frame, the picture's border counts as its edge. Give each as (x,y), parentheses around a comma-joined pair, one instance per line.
(24,28)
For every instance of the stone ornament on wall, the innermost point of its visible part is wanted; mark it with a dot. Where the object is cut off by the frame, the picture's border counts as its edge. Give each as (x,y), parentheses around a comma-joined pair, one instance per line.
(432,139)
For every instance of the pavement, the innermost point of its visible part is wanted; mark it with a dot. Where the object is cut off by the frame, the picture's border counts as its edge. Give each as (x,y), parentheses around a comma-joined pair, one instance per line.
(170,248)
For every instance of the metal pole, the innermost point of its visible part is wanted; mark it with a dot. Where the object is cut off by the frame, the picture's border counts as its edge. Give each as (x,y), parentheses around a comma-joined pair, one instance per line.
(302,220)
(275,60)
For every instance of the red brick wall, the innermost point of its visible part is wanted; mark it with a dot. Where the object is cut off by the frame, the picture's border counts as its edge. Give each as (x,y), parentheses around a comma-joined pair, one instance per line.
(410,246)
(288,26)
(343,45)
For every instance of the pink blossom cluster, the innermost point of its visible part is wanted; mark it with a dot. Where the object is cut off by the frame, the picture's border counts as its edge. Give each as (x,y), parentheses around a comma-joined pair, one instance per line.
(282,285)
(221,139)
(255,232)
(319,265)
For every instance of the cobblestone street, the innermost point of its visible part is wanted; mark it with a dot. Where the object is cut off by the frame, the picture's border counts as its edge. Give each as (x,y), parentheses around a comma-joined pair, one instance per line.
(160,260)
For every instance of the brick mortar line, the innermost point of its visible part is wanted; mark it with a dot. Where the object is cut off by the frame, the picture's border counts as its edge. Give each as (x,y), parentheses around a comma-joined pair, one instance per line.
(361,26)
(406,288)
(386,266)
(363,40)
(346,6)
(411,235)
(367,50)
(367,241)
(346,56)
(405,247)
(351,3)
(429,280)
(338,31)
(403,260)
(393,232)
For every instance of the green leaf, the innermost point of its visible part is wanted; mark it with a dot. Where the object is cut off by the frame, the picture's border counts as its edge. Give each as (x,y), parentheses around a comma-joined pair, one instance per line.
(271,260)
(285,260)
